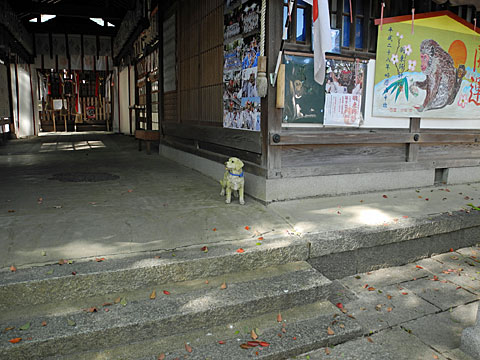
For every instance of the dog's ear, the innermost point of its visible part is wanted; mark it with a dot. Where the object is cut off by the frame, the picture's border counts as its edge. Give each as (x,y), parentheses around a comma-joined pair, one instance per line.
(238,164)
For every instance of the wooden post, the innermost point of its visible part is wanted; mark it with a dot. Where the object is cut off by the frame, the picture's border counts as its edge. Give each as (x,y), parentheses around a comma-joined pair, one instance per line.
(412,148)
(281,87)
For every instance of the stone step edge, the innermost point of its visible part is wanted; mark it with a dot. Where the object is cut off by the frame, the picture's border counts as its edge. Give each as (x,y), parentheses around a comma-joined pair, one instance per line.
(166,316)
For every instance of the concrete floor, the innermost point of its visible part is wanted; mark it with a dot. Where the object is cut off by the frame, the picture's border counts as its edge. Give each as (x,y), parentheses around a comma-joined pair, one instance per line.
(153,203)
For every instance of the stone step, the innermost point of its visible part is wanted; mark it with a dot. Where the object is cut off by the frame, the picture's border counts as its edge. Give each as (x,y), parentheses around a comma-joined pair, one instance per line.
(186,306)
(305,329)
(36,285)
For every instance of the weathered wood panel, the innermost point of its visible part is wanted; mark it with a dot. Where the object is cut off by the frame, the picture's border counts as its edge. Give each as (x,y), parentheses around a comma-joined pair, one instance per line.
(294,156)
(243,140)
(363,137)
(449,151)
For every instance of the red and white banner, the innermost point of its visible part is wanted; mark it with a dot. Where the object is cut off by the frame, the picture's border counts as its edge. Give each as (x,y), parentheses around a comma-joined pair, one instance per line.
(322,37)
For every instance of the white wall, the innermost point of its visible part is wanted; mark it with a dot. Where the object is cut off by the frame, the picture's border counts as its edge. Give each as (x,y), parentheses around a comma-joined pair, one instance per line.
(24,121)
(124,102)
(115,114)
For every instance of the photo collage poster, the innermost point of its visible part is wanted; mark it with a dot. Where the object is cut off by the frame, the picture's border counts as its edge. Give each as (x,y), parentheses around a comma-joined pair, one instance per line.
(241,103)
(344,91)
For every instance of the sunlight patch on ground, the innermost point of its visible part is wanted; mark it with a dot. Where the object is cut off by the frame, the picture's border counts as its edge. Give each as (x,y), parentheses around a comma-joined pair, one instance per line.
(71,146)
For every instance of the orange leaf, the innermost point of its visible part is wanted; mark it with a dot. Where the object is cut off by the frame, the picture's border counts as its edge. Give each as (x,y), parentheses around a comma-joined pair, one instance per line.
(265,344)
(284,330)
(107,304)
(245,346)
(153,295)
(157,256)
(279,317)
(389,297)
(371,288)
(458,287)
(9,328)
(44,323)
(253,335)
(405,216)
(330,331)
(91,310)
(418,267)
(389,309)
(214,229)
(206,282)
(369,339)
(435,278)
(223,286)
(13,268)
(240,250)
(117,300)
(435,356)
(188,348)
(14,341)
(404,293)
(327,351)
(260,238)
(166,292)
(451,249)
(253,343)
(247,227)
(221,342)
(294,338)
(99,259)
(340,305)
(161,356)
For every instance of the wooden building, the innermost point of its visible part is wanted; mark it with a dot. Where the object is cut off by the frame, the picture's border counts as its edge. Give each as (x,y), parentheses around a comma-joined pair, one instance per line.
(183,74)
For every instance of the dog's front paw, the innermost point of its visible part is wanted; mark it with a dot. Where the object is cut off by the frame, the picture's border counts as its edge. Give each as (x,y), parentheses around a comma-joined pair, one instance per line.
(242,202)
(228,201)
(222,193)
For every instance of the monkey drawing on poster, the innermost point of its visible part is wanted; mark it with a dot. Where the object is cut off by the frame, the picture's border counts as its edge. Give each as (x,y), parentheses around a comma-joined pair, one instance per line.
(442,79)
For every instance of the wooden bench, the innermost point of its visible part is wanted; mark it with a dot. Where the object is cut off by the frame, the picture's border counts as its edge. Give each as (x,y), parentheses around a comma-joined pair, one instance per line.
(149,136)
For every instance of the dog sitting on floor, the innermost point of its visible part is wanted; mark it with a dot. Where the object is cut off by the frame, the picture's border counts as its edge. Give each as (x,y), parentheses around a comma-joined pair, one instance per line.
(233,180)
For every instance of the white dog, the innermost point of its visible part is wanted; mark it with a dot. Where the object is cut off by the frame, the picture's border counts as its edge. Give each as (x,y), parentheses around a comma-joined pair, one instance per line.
(233,179)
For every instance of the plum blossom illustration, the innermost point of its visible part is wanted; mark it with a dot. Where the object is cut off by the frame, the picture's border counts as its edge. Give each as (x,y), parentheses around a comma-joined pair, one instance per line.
(412,64)
(462,101)
(407,49)
(399,60)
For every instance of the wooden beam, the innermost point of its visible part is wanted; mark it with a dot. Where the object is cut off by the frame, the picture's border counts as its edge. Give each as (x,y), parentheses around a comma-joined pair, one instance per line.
(79,11)
(388,137)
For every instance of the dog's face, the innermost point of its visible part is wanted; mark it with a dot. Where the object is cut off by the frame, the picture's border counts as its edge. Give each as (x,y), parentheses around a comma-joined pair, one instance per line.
(234,164)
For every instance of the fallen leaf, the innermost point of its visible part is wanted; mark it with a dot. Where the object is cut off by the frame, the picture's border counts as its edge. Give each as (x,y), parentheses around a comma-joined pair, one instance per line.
(158,257)
(11,211)
(99,259)
(405,216)
(221,342)
(107,304)
(284,330)
(123,302)
(371,288)
(294,338)
(259,243)
(435,278)
(265,344)
(369,339)
(389,309)
(92,309)
(253,335)
(106,310)
(451,250)
(9,328)
(247,227)
(458,287)
(44,323)
(389,297)
(161,356)
(204,249)
(342,326)
(279,317)
(70,322)
(240,250)
(253,343)
(279,335)
(340,305)
(214,229)
(327,351)
(14,341)
(385,196)
(44,253)
(245,346)
(358,277)
(260,238)
(74,273)
(13,268)
(117,300)
(330,331)
(419,267)
(378,307)
(130,190)
(166,292)
(404,293)
(25,326)
(223,286)
(426,199)
(188,348)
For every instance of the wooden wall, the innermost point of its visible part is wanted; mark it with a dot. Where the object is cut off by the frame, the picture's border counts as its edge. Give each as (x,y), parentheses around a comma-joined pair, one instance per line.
(193,113)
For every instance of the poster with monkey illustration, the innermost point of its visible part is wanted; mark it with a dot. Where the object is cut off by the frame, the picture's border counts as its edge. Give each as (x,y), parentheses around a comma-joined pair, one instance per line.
(432,73)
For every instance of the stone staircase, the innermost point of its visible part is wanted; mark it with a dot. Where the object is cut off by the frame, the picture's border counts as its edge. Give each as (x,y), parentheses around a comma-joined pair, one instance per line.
(202,305)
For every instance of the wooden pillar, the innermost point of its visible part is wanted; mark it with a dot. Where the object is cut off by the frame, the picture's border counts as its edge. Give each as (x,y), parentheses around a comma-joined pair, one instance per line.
(412,148)
(271,116)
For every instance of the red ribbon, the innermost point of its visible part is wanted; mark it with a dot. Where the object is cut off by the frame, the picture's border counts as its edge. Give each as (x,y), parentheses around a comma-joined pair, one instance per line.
(351,15)
(381,16)
(413,18)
